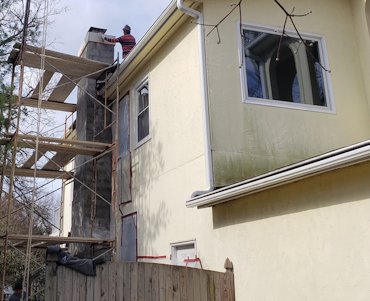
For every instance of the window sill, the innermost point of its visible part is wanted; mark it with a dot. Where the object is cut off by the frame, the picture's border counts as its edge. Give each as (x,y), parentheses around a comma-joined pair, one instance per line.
(143,141)
(289,105)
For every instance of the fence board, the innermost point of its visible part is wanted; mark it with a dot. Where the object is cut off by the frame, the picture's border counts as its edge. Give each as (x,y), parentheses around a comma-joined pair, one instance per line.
(189,284)
(176,283)
(89,289)
(97,283)
(82,280)
(148,285)
(155,282)
(182,284)
(217,286)
(126,282)
(118,282)
(74,295)
(69,284)
(51,285)
(169,285)
(105,283)
(60,290)
(203,286)
(230,286)
(196,285)
(112,276)
(211,286)
(141,282)
(134,281)
(162,282)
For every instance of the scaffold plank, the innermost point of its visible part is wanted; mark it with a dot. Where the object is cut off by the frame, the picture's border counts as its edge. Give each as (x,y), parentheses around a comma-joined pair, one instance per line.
(46,77)
(57,161)
(27,172)
(49,105)
(63,88)
(31,160)
(42,241)
(67,147)
(93,144)
(64,56)
(57,64)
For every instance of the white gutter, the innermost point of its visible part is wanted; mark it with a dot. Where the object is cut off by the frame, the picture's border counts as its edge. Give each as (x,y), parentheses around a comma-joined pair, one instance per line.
(344,157)
(205,103)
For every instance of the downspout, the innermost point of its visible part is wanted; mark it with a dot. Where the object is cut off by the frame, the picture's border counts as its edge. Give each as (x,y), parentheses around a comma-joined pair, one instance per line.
(205,102)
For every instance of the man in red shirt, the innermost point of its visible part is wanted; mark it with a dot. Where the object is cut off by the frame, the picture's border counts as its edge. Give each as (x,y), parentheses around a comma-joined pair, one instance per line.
(127,41)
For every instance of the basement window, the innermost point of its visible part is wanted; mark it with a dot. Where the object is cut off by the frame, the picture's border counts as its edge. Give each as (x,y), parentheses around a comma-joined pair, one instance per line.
(286,72)
(143,112)
(184,254)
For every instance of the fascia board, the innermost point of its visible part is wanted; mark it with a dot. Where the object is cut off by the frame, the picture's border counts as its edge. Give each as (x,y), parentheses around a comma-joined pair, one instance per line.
(341,158)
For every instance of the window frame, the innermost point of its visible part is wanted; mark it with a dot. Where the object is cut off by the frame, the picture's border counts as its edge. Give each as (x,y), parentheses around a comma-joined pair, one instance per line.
(322,49)
(176,245)
(138,87)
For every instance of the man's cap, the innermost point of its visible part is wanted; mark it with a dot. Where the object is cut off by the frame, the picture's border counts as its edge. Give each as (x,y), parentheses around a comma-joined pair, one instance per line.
(128,28)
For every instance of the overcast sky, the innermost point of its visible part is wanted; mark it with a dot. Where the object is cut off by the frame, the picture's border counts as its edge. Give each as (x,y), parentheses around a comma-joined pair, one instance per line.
(69,28)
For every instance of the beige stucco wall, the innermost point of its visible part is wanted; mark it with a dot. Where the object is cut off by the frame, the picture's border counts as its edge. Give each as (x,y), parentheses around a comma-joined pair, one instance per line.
(250,139)
(361,14)
(303,241)
(170,166)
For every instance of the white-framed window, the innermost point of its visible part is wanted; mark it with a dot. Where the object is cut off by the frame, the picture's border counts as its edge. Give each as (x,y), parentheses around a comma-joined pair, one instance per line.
(283,71)
(184,254)
(142,112)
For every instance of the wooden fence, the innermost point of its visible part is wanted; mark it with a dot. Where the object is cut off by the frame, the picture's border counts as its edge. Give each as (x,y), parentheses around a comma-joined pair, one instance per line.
(139,281)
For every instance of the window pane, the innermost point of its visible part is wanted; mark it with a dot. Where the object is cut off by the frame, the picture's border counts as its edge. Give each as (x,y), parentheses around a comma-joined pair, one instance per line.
(143,98)
(143,125)
(285,70)
(254,78)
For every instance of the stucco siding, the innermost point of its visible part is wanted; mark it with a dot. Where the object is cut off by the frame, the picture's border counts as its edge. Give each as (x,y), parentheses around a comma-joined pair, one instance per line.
(304,241)
(170,165)
(250,139)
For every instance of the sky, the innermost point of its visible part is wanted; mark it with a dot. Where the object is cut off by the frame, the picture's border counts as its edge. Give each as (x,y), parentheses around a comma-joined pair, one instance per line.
(68,29)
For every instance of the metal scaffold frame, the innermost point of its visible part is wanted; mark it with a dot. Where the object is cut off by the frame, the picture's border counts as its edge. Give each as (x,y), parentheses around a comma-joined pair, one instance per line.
(72,69)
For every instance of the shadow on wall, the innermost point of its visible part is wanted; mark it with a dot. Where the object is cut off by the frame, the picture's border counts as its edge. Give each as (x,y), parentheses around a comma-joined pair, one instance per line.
(330,189)
(153,213)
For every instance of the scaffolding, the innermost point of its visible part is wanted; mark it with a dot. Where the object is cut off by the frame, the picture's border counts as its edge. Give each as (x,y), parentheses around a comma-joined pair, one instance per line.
(49,156)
